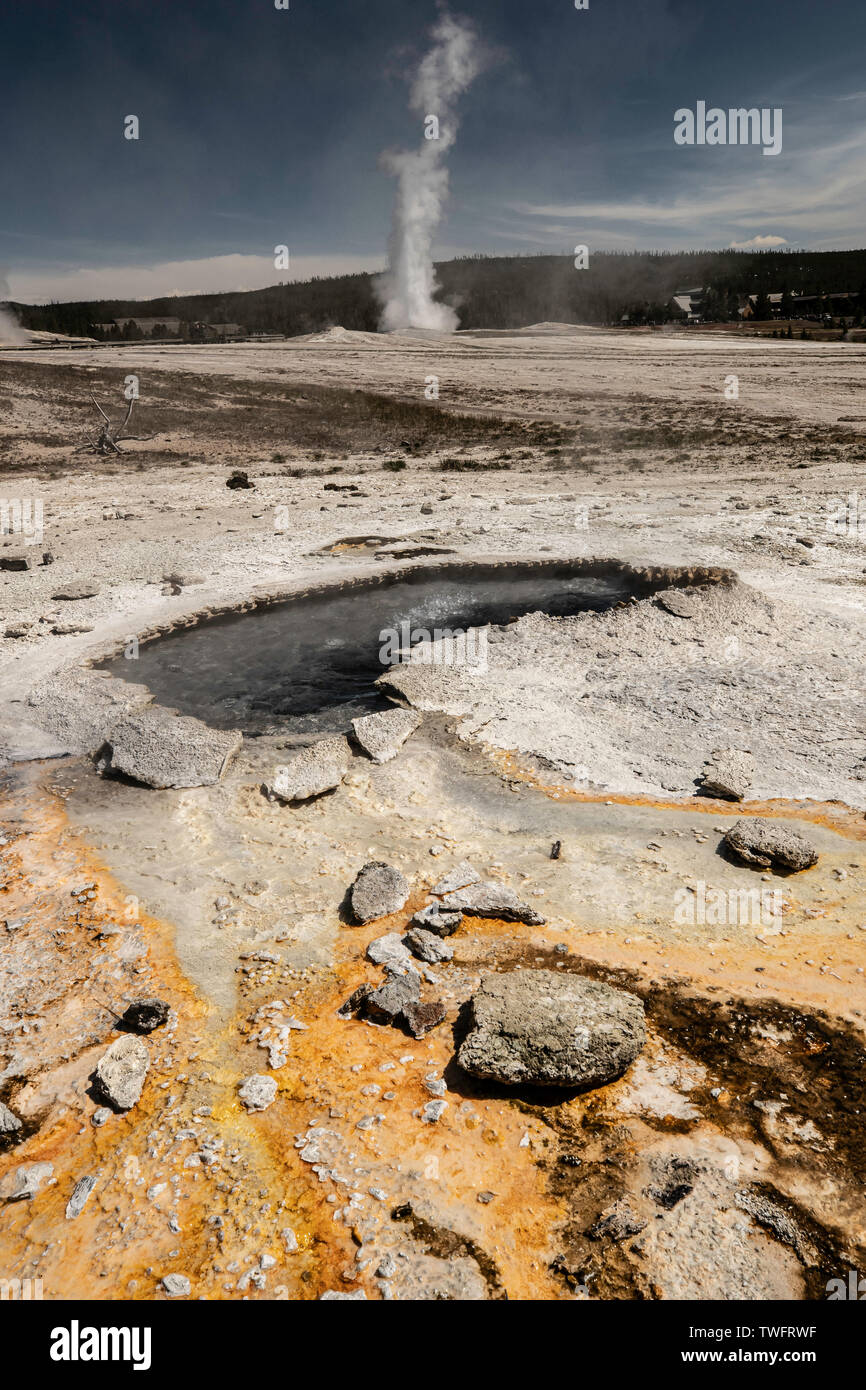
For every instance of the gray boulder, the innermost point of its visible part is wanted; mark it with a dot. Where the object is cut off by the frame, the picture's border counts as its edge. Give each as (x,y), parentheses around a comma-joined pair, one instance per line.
(78,705)
(728,773)
(378,891)
(427,946)
(434,918)
(543,1028)
(258,1092)
(680,602)
(180,580)
(318,769)
(390,952)
(492,900)
(72,592)
(176,1285)
(120,1072)
(382,735)
(161,749)
(459,877)
(352,1005)
(764,845)
(421,1018)
(387,1003)
(9,1123)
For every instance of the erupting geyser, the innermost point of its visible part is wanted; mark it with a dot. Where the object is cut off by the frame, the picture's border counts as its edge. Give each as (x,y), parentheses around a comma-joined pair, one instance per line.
(10,331)
(408,285)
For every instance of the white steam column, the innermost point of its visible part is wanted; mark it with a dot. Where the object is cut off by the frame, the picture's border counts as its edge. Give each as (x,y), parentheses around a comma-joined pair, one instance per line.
(407,287)
(11,334)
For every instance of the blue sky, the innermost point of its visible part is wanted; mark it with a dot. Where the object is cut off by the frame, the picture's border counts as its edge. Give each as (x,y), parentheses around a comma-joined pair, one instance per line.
(261,127)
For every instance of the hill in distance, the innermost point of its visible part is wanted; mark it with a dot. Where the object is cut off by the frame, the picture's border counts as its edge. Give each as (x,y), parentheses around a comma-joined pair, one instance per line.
(503,292)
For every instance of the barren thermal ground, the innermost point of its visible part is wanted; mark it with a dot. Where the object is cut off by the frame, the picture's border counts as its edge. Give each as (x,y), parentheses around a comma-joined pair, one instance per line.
(433,806)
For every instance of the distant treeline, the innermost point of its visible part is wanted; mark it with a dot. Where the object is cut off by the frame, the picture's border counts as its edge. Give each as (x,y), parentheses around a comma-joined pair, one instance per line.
(501,292)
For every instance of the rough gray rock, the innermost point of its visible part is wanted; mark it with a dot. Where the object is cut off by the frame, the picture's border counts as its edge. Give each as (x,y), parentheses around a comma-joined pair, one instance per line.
(382,735)
(435,919)
(459,877)
(728,773)
(258,1092)
(618,1222)
(161,749)
(492,900)
(387,1003)
(390,951)
(178,581)
(428,946)
(333,1296)
(421,1018)
(764,845)
(78,705)
(80,1193)
(16,562)
(9,1123)
(543,1028)
(120,1072)
(24,1182)
(770,1214)
(144,1015)
(352,1005)
(176,1285)
(378,891)
(72,592)
(432,1112)
(679,602)
(318,769)
(68,629)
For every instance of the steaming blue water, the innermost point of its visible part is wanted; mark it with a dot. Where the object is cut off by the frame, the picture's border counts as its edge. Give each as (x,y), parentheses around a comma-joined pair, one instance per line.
(308,666)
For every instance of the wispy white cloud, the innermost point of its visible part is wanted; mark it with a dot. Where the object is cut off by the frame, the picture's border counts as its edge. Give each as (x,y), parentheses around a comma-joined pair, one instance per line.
(757,243)
(210,274)
(816,192)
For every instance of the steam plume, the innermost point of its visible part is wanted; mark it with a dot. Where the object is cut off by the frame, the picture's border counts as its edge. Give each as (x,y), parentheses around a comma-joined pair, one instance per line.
(10,332)
(408,285)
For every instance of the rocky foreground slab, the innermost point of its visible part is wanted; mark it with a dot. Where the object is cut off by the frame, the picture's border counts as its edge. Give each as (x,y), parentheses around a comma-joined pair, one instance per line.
(540,1028)
(161,749)
(318,769)
(765,846)
(383,734)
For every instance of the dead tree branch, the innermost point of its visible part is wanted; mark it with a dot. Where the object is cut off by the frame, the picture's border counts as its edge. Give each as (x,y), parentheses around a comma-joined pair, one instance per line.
(109,437)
